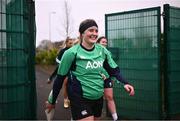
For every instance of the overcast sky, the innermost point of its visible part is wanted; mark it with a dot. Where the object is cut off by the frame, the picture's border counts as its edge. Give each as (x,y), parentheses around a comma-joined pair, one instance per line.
(49,14)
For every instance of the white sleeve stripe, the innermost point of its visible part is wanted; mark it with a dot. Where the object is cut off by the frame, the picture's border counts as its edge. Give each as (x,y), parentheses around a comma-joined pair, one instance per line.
(58,61)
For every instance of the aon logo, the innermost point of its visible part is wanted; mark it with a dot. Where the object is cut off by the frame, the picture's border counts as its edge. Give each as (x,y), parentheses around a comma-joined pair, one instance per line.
(94,64)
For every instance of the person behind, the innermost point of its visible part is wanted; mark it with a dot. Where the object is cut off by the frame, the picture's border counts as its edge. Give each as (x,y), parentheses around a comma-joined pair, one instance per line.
(108,89)
(84,64)
(103,41)
(77,41)
(68,43)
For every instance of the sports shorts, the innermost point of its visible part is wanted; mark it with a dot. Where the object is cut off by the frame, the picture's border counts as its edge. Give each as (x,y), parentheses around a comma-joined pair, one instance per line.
(82,107)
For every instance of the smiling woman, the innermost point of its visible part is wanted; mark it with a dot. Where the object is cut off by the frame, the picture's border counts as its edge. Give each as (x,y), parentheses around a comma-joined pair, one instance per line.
(85,82)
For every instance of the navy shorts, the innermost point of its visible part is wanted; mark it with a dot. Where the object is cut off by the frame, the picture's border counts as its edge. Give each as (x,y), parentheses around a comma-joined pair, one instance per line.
(82,107)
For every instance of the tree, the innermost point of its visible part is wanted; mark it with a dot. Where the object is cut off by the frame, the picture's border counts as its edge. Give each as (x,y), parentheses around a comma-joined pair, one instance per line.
(67,21)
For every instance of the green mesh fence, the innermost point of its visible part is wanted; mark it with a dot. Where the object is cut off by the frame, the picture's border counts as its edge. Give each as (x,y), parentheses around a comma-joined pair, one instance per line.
(172,39)
(133,39)
(17,50)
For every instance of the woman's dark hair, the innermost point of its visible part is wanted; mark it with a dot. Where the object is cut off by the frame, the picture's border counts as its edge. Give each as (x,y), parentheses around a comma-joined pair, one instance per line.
(86,24)
(100,38)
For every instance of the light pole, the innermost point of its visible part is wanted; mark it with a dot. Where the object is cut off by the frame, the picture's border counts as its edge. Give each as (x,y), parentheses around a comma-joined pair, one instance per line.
(50,24)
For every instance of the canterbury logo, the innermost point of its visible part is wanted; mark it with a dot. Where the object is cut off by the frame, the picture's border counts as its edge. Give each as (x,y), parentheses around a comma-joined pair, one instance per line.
(84,112)
(94,64)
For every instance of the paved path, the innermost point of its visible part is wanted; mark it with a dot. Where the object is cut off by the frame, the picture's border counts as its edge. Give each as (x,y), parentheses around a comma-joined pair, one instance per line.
(43,90)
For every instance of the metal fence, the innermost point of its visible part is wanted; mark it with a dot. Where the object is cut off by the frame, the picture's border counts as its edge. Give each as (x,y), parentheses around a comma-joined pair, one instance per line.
(149,60)
(17,51)
(172,51)
(135,35)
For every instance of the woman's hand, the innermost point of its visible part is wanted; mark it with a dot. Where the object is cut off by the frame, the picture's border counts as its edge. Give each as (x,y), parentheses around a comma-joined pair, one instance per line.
(129,89)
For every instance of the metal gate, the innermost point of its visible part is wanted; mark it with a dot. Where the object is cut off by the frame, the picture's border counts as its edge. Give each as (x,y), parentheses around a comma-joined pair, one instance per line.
(148,59)
(134,37)
(172,57)
(17,51)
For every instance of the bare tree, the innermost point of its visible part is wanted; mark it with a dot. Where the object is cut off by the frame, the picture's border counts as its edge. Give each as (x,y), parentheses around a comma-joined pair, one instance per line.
(67,21)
